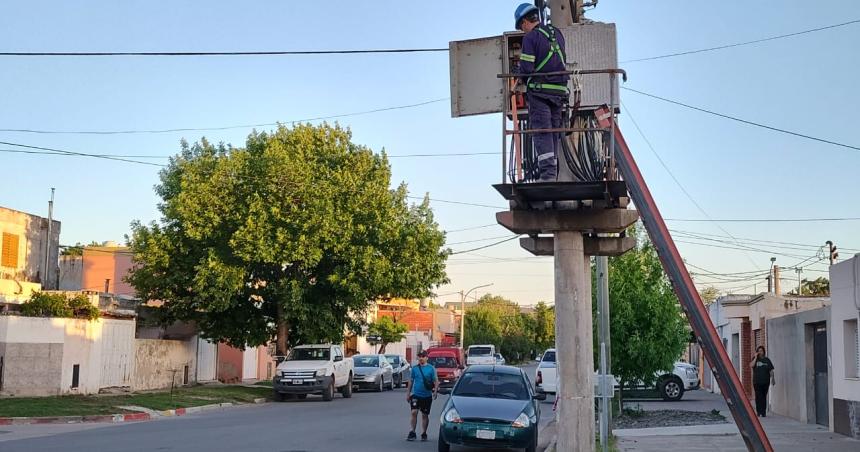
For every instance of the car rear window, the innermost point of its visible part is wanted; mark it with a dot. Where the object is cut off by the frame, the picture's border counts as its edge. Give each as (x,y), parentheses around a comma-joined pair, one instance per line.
(442,361)
(492,385)
(480,351)
(548,357)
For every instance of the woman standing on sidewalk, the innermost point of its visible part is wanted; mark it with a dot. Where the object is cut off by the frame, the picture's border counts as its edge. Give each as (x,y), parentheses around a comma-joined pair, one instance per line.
(763,378)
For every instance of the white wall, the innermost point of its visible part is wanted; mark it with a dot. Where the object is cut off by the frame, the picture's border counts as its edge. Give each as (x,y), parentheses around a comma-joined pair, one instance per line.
(845,296)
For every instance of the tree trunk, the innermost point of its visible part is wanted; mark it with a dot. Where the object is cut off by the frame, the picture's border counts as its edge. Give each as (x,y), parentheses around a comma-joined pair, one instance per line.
(283,332)
(382,348)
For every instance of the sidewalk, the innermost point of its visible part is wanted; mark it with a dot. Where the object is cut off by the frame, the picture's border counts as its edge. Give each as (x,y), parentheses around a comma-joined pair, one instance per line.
(786,435)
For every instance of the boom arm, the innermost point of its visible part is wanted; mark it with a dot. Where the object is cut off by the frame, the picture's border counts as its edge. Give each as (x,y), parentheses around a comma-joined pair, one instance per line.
(730,385)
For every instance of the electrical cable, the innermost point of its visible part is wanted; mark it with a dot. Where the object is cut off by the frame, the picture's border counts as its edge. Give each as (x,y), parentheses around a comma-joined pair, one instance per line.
(79,154)
(745,43)
(225,53)
(242,126)
(743,121)
(487,246)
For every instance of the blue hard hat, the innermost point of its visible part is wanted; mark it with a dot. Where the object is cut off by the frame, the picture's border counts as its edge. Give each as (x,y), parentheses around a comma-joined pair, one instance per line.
(522,11)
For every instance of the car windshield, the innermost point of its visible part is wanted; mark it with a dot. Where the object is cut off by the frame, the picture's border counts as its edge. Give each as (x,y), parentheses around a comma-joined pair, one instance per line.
(442,361)
(309,354)
(365,361)
(392,359)
(492,385)
(480,351)
(548,357)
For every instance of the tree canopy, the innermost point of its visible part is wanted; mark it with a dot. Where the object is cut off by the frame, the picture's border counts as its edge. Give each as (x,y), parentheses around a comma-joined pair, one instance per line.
(647,325)
(499,321)
(819,287)
(290,237)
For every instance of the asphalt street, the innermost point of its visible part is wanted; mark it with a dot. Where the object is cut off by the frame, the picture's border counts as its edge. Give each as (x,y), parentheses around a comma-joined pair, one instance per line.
(367,422)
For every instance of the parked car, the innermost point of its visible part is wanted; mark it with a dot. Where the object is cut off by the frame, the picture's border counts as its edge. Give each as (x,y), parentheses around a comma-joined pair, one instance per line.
(500,360)
(491,406)
(481,354)
(313,369)
(373,372)
(670,385)
(401,368)
(546,374)
(448,362)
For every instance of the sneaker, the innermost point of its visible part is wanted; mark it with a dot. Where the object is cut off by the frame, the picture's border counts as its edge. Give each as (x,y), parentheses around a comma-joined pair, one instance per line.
(424,437)
(411,436)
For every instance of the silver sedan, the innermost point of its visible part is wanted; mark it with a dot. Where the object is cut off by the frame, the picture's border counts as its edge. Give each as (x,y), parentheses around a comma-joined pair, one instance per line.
(373,372)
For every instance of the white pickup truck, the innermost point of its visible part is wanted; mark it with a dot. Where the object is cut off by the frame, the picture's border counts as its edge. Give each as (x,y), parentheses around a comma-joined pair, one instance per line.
(670,385)
(313,369)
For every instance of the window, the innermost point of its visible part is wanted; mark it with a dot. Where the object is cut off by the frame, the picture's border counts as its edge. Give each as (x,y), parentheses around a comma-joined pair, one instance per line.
(9,254)
(852,348)
(309,354)
(366,361)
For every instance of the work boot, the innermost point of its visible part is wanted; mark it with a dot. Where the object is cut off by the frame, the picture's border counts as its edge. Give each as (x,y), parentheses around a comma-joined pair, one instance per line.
(411,436)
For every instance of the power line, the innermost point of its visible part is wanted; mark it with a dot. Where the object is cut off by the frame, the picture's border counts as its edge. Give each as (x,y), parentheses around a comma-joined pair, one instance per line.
(487,246)
(759,241)
(225,53)
(479,240)
(472,228)
(458,202)
(743,121)
(677,182)
(54,151)
(241,126)
(452,154)
(745,43)
(765,220)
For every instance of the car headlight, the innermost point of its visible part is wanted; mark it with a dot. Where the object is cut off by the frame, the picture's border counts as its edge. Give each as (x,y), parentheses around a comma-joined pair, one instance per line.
(321,372)
(522,421)
(452,416)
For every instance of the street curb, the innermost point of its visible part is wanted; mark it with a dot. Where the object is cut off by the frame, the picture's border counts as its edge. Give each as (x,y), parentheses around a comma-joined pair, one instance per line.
(119,418)
(548,430)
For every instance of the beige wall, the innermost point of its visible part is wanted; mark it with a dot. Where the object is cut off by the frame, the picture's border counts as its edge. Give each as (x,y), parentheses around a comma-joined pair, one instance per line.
(159,363)
(32,240)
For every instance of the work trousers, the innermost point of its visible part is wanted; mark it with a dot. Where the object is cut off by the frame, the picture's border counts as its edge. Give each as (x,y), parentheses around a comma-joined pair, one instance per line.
(545,113)
(761,399)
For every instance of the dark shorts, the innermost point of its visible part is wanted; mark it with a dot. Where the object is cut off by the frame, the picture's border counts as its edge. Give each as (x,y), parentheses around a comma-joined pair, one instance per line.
(421,404)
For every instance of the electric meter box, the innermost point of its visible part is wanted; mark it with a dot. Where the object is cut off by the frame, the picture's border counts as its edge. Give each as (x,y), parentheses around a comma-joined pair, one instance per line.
(475,65)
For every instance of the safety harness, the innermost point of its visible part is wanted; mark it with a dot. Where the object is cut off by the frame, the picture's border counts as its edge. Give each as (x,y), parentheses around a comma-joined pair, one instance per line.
(554,49)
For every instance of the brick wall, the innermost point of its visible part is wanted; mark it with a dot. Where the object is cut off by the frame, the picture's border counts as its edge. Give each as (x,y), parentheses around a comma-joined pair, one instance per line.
(746,353)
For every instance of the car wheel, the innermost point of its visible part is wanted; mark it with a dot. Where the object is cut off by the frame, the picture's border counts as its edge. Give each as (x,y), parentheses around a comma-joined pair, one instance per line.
(672,389)
(278,397)
(398,381)
(328,393)
(381,384)
(346,391)
(442,445)
(391,384)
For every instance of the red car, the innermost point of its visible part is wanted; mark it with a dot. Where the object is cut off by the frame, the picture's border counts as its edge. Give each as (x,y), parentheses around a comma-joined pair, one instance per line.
(449,363)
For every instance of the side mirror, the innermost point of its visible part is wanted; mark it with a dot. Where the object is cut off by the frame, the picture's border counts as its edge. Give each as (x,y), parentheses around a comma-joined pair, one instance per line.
(461,367)
(539,396)
(444,390)
(338,358)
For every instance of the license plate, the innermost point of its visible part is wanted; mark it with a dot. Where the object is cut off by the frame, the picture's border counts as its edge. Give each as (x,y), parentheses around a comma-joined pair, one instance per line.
(486,434)
(298,382)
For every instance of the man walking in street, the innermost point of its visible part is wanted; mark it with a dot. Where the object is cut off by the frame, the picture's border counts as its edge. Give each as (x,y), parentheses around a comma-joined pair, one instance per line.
(542,52)
(421,389)
(763,378)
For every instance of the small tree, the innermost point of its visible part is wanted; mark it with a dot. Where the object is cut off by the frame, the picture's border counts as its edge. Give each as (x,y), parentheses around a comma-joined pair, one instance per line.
(819,287)
(709,295)
(388,331)
(43,304)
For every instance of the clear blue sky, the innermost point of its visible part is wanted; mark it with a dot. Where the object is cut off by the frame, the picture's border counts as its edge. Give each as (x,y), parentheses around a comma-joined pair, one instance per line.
(805,83)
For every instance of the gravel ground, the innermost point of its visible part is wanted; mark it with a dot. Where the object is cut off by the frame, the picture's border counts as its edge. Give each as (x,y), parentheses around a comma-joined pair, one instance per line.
(666,418)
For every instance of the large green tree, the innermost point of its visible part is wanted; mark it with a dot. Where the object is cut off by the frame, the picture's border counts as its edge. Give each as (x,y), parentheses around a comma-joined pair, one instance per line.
(499,321)
(291,237)
(646,321)
(544,330)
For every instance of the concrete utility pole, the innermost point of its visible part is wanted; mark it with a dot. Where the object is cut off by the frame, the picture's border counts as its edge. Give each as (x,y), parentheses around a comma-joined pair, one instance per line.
(46,276)
(799,270)
(562,15)
(604,346)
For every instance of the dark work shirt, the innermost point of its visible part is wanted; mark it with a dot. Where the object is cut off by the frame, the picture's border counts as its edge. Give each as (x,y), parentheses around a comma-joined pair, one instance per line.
(537,45)
(761,371)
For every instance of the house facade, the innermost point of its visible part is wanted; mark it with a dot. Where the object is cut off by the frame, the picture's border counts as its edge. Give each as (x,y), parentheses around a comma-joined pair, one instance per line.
(29,249)
(845,346)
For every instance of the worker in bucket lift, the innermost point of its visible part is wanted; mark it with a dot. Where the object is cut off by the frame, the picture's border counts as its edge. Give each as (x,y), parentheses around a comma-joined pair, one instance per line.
(543,51)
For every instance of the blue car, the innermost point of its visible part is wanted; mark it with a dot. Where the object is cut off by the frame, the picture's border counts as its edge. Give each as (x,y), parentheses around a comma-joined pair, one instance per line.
(492,407)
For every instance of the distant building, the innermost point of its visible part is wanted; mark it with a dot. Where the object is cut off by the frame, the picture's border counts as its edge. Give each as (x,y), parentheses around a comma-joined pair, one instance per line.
(845,347)
(99,268)
(28,255)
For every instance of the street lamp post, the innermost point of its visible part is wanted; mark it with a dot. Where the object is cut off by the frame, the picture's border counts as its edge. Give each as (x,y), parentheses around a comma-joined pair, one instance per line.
(463,311)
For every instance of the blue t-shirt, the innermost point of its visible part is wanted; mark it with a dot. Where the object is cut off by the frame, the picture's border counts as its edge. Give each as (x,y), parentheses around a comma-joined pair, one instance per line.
(418,389)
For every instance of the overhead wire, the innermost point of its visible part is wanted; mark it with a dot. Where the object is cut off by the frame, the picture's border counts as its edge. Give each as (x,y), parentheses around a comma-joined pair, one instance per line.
(55,151)
(743,121)
(226,53)
(744,43)
(486,246)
